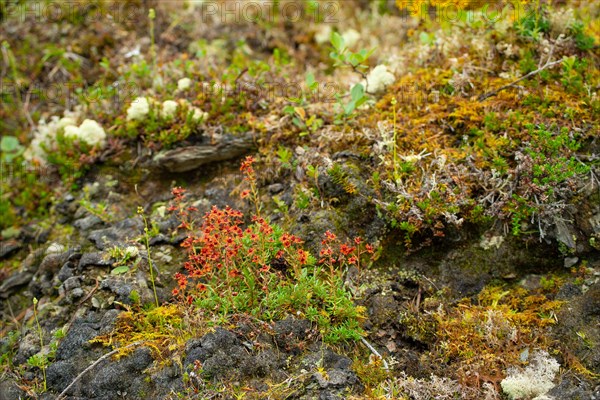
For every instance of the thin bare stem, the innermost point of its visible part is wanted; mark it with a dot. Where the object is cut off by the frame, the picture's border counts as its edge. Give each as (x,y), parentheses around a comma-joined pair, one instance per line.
(376,353)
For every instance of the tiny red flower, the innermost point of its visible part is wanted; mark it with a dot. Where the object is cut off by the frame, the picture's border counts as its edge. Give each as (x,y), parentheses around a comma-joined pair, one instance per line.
(184,225)
(302,256)
(178,191)
(345,249)
(245,194)
(246,166)
(330,236)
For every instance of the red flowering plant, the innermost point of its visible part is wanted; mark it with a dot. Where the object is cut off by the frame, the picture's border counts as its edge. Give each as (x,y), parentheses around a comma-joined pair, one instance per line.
(227,261)
(234,267)
(335,255)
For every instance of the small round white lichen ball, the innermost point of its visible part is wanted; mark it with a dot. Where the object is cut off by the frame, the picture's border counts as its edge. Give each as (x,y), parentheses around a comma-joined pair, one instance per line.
(184,84)
(169,107)
(323,34)
(91,132)
(131,251)
(199,115)
(378,79)
(138,109)
(72,132)
(351,37)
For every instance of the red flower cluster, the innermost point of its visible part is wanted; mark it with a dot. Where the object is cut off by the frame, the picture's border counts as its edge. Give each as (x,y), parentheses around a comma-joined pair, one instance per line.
(222,251)
(345,252)
(287,240)
(246,166)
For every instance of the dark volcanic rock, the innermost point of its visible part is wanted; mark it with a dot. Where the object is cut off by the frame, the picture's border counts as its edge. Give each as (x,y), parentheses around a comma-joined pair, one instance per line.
(382,308)
(9,390)
(571,388)
(121,232)
(87,223)
(75,353)
(119,287)
(83,329)
(468,268)
(93,259)
(221,354)
(14,282)
(123,376)
(338,378)
(8,246)
(581,315)
(290,333)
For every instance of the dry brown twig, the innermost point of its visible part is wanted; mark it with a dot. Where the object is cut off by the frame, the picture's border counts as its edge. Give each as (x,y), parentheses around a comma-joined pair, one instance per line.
(98,361)
(513,83)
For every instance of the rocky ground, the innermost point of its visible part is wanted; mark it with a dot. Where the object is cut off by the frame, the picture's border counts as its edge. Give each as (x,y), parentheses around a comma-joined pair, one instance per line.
(469,168)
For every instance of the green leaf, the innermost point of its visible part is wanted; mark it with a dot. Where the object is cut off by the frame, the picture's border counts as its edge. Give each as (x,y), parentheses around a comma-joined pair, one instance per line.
(9,143)
(337,41)
(355,59)
(11,148)
(361,101)
(298,122)
(357,92)
(310,81)
(426,38)
(119,270)
(349,108)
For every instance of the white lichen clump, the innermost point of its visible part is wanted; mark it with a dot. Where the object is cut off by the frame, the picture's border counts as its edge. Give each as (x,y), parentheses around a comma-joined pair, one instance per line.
(534,381)
(44,137)
(378,79)
(131,251)
(169,108)
(89,131)
(323,34)
(184,84)
(139,108)
(351,37)
(199,115)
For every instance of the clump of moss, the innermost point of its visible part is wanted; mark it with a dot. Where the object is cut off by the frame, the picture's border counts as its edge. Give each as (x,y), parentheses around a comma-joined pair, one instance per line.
(163,329)
(480,339)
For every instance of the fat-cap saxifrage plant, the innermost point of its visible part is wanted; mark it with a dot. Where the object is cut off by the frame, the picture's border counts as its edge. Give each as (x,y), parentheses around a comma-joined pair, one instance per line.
(234,267)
